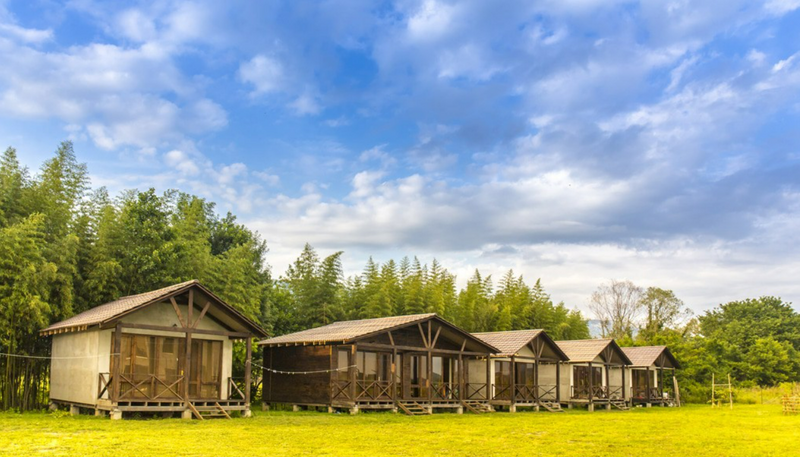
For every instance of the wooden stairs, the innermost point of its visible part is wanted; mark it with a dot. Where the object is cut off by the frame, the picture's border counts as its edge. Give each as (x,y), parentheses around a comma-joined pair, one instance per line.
(552,406)
(477,406)
(413,408)
(207,412)
(621,405)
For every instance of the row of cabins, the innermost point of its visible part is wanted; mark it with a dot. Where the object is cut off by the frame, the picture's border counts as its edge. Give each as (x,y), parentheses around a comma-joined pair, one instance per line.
(171,350)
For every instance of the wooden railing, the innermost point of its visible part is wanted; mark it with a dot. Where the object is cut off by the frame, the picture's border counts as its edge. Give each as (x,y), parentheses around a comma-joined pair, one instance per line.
(584,392)
(374,390)
(140,387)
(501,392)
(646,393)
(523,393)
(235,392)
(445,390)
(547,393)
(340,390)
(475,391)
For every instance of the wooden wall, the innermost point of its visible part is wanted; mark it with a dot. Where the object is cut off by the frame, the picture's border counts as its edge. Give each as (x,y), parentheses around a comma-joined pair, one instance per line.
(297,388)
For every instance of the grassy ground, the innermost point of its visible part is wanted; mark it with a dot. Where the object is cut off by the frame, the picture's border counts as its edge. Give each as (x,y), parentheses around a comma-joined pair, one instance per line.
(694,431)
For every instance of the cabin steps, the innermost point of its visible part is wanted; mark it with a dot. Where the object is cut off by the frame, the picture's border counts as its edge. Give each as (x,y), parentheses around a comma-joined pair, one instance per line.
(622,405)
(413,408)
(207,412)
(477,406)
(552,406)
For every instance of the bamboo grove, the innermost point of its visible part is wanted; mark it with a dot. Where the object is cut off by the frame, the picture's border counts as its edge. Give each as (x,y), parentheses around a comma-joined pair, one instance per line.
(65,247)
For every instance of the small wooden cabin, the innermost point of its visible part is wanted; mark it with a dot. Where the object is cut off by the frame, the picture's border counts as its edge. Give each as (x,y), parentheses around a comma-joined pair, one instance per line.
(595,373)
(525,371)
(168,350)
(648,385)
(416,363)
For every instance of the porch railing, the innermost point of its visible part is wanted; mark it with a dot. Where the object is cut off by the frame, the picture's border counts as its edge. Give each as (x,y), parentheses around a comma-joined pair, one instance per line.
(445,390)
(647,393)
(501,392)
(374,390)
(236,389)
(475,391)
(585,393)
(140,387)
(523,393)
(340,390)
(548,393)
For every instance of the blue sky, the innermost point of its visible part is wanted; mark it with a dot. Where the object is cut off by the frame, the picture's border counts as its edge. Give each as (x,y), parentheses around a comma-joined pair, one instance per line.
(571,140)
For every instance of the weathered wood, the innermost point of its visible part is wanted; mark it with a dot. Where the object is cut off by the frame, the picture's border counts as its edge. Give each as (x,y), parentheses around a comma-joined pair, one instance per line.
(436,337)
(190,307)
(422,333)
(162,328)
(177,311)
(202,314)
(187,364)
(388,347)
(117,363)
(247,369)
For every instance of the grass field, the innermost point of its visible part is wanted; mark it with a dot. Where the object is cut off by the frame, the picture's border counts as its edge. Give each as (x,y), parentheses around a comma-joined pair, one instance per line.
(694,431)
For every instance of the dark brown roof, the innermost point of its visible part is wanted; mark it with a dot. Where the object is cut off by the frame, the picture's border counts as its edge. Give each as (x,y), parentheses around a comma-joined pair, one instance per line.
(588,350)
(125,305)
(645,356)
(511,342)
(349,331)
(346,330)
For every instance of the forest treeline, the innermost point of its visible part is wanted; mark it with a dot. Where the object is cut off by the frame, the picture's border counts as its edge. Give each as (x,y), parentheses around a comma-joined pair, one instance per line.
(65,247)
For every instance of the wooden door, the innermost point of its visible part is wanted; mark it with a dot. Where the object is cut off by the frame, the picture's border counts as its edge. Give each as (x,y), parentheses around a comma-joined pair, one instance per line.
(205,376)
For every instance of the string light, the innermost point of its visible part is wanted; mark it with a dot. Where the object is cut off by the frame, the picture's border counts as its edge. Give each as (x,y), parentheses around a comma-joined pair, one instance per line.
(21,356)
(302,372)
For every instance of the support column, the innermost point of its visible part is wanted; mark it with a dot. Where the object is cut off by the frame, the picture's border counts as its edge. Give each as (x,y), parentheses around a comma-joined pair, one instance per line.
(247,369)
(591,388)
(115,415)
(187,371)
(513,407)
(488,378)
(352,372)
(624,385)
(648,383)
(661,387)
(117,369)
(558,382)
(74,410)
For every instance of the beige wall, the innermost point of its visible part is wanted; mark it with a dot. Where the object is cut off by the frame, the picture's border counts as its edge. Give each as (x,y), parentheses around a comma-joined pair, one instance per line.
(74,367)
(79,358)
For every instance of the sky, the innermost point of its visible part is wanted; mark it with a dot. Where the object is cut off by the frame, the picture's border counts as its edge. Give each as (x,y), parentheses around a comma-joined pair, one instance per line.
(576,141)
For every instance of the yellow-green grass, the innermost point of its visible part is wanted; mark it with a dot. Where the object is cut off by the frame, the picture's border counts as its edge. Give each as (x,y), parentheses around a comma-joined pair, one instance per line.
(694,431)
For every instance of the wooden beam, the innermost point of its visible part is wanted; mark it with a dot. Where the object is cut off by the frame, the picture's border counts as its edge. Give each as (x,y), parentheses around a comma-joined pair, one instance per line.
(247,367)
(422,333)
(117,362)
(177,311)
(391,339)
(435,338)
(463,345)
(162,328)
(191,307)
(187,366)
(418,349)
(202,313)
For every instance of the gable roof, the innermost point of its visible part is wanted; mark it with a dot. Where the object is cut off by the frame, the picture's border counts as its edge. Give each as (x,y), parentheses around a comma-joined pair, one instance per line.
(588,350)
(645,356)
(122,306)
(349,331)
(511,342)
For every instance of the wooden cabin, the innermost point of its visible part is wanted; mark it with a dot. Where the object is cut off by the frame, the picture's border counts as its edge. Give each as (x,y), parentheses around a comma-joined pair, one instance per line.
(416,363)
(594,375)
(165,351)
(525,370)
(648,385)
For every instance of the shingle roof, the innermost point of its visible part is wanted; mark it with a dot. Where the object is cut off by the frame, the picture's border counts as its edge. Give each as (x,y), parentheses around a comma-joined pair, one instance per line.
(345,330)
(109,311)
(645,356)
(509,343)
(586,350)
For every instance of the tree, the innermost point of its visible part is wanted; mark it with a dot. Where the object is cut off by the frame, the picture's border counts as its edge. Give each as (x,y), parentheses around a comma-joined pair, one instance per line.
(617,306)
(663,311)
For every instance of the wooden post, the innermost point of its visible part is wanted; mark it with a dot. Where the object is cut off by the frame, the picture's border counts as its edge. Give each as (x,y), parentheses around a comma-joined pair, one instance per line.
(394,375)
(187,367)
(247,368)
(429,375)
(488,378)
(352,372)
(536,380)
(461,378)
(117,364)
(591,388)
(647,393)
(558,382)
(661,385)
(624,385)
(513,384)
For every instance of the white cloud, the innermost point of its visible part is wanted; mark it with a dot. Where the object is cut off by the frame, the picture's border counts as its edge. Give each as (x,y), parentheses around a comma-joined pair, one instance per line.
(265,73)
(306,104)
(432,20)
(181,162)
(780,7)
(32,36)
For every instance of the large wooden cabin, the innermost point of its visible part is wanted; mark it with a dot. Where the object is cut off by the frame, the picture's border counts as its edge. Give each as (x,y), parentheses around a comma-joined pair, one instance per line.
(595,373)
(525,371)
(416,363)
(648,385)
(169,350)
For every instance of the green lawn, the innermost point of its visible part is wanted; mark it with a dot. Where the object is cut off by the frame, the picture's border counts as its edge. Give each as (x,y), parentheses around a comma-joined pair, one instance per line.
(692,431)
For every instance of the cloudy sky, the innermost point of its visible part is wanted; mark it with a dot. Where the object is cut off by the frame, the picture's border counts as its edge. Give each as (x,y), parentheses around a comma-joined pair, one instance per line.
(571,140)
